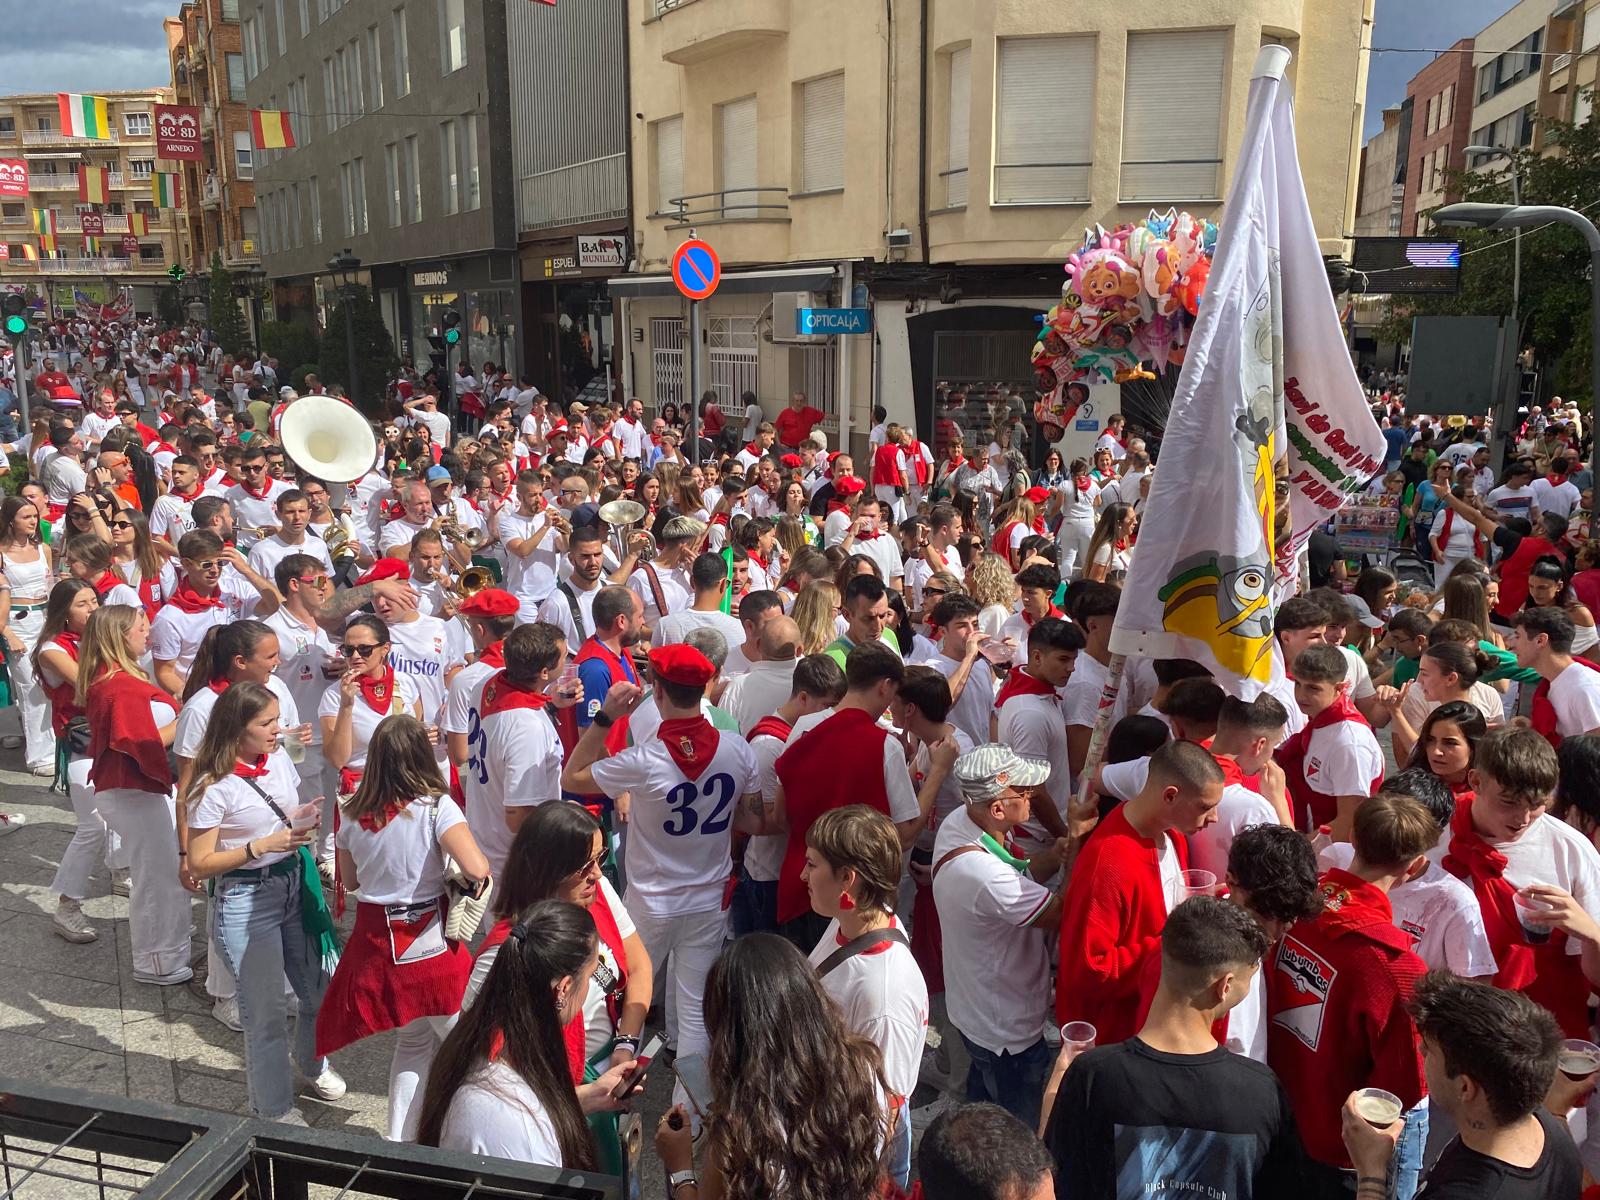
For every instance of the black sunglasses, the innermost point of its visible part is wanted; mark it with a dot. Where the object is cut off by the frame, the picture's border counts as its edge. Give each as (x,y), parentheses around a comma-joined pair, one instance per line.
(363,651)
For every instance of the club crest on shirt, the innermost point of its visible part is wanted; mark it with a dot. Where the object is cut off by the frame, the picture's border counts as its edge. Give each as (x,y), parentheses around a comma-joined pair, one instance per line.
(1313,767)
(594,707)
(1304,999)
(686,748)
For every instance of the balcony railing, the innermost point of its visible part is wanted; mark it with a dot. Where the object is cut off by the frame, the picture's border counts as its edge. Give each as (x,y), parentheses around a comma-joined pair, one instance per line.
(243,251)
(1560,62)
(730,204)
(87,266)
(595,190)
(54,137)
(55,181)
(113,223)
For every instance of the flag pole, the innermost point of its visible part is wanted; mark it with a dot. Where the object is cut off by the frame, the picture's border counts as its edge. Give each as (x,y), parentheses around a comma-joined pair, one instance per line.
(1102,725)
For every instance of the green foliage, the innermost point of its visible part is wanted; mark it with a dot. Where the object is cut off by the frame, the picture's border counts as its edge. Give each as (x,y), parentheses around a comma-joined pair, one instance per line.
(296,347)
(228,328)
(376,361)
(169,305)
(1555,299)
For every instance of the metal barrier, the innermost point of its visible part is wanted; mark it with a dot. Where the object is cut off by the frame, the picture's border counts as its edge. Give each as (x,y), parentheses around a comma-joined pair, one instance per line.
(58,1142)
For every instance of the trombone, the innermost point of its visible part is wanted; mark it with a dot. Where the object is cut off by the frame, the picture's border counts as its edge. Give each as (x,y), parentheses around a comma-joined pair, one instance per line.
(461,535)
(472,581)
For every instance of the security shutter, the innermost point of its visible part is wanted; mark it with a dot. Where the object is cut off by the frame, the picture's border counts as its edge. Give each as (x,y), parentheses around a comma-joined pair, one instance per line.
(957,138)
(738,156)
(1172,116)
(1044,120)
(669,162)
(822,136)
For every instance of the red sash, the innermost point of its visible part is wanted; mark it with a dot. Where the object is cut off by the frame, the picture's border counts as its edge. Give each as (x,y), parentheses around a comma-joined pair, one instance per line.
(1444,534)
(566,718)
(1020,683)
(63,696)
(1311,807)
(1543,713)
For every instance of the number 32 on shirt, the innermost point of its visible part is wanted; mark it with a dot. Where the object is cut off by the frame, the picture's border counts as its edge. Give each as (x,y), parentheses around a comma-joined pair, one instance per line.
(700,806)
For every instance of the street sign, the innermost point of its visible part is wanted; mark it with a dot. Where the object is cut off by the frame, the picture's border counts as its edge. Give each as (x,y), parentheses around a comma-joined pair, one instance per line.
(696,270)
(833,320)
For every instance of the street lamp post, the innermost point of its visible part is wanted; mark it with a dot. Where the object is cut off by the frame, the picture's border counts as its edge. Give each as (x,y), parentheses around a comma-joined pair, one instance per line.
(1519,216)
(1510,156)
(344,265)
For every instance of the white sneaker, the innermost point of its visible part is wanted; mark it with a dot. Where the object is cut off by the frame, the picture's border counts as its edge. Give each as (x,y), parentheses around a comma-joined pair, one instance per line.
(71,924)
(226,1011)
(327,1086)
(43,771)
(294,1117)
(11,822)
(121,882)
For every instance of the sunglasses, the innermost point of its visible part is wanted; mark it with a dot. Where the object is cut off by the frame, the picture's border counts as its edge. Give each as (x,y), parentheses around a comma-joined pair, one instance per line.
(205,564)
(316,581)
(249,470)
(363,651)
(593,864)
(122,524)
(933,591)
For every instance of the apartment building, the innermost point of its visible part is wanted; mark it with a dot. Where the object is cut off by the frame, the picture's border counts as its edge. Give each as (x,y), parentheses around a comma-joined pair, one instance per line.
(1508,59)
(1571,74)
(936,174)
(30,132)
(401,120)
(1440,96)
(1381,202)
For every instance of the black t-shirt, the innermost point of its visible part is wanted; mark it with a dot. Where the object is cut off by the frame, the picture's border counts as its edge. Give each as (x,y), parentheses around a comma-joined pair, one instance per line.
(1463,1174)
(819,500)
(1131,1122)
(1322,551)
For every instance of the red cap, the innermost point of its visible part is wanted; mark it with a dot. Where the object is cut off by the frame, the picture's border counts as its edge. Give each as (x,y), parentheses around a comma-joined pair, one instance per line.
(557,427)
(792,460)
(848,485)
(491,602)
(681,663)
(1036,495)
(386,568)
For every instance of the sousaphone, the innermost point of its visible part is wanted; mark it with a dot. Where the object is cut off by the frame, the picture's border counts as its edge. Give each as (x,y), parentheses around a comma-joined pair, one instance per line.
(328,439)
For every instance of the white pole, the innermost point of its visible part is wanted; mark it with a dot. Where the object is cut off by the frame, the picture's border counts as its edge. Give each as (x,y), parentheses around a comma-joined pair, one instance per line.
(846,345)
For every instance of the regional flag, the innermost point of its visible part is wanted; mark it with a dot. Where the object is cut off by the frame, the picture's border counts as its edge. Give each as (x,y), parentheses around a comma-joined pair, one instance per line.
(139,224)
(91,247)
(1267,395)
(164,189)
(94,185)
(83,116)
(270,130)
(29,253)
(44,220)
(47,243)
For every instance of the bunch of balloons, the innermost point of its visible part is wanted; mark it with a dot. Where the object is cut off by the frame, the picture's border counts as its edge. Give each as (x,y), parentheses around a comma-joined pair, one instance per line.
(1129,300)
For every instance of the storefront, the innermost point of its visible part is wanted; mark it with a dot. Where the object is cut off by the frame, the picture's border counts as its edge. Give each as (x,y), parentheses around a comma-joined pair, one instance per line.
(568,335)
(482,289)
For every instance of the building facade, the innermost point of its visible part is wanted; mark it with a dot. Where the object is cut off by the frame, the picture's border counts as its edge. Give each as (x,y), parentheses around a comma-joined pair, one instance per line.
(938,175)
(1381,203)
(1566,92)
(1509,67)
(30,131)
(400,115)
(1440,96)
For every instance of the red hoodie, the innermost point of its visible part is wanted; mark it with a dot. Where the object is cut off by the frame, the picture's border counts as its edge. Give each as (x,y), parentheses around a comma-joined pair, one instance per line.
(1337,989)
(1117,906)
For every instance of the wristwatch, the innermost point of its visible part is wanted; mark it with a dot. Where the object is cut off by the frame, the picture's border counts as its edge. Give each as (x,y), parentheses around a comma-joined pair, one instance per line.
(678,1178)
(603,719)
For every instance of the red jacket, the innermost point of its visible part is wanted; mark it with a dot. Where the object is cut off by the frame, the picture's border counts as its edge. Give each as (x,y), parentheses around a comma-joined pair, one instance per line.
(1337,989)
(125,749)
(1116,907)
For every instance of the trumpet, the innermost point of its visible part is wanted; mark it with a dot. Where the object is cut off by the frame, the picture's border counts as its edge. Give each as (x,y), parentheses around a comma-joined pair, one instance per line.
(338,539)
(472,581)
(453,529)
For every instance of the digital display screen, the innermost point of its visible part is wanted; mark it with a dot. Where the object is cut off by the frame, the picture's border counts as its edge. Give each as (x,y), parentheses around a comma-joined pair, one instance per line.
(1402,266)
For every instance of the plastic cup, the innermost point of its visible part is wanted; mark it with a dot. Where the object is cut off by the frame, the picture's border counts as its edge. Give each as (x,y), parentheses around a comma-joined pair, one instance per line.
(305,817)
(1578,1059)
(1535,933)
(1199,883)
(1079,1035)
(289,739)
(1379,1108)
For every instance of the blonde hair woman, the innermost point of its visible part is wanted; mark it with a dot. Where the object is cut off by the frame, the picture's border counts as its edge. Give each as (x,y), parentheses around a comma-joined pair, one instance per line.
(815,611)
(991,583)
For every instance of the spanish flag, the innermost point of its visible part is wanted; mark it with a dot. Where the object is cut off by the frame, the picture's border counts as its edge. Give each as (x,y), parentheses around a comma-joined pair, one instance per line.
(138,224)
(164,189)
(44,220)
(29,254)
(94,185)
(83,116)
(270,130)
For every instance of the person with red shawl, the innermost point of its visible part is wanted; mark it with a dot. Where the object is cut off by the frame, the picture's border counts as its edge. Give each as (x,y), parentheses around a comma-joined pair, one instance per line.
(1333,762)
(794,424)
(1566,702)
(1536,878)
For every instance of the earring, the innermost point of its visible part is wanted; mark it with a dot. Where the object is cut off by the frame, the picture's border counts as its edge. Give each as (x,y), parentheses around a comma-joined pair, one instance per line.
(846,902)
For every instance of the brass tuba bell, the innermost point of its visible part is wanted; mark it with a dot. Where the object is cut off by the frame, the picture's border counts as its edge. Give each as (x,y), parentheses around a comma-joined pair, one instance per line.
(472,581)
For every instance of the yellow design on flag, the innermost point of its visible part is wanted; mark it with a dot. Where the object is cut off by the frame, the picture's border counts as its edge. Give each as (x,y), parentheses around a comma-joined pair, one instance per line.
(270,130)
(94,185)
(83,116)
(47,243)
(138,224)
(164,189)
(29,253)
(44,220)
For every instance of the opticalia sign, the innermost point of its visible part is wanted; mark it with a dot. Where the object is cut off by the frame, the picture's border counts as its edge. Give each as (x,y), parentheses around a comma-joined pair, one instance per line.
(833,320)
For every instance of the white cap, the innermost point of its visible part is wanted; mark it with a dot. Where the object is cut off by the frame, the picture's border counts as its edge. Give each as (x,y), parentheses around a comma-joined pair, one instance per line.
(983,771)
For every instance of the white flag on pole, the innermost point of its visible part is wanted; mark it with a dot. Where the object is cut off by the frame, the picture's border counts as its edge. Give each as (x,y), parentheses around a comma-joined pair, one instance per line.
(1267,388)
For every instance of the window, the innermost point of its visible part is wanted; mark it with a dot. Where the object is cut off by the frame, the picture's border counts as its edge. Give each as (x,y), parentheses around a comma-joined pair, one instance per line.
(452,35)
(669,163)
(822,134)
(136,124)
(469,162)
(959,93)
(358,177)
(314,198)
(340,105)
(374,67)
(141,168)
(355,88)
(402,55)
(44,124)
(450,168)
(235,76)
(243,162)
(299,96)
(736,128)
(391,182)
(347,207)
(305,17)
(413,180)
(230,10)
(1447,105)
(247,41)
(1431,119)
(1163,159)
(1044,113)
(151,253)
(1486,80)
(8,127)
(298,232)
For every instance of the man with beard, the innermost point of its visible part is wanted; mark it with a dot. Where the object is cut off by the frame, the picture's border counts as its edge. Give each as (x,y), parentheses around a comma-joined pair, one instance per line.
(570,608)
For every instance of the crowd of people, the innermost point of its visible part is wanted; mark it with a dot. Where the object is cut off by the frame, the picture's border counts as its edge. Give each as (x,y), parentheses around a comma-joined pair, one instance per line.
(796,769)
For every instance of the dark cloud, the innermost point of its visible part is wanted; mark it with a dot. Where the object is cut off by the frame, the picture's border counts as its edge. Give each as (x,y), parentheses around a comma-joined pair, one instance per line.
(1424,24)
(86,45)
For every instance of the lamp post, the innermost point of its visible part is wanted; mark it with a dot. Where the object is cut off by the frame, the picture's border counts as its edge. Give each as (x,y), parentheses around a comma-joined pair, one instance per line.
(344,266)
(1519,216)
(1510,156)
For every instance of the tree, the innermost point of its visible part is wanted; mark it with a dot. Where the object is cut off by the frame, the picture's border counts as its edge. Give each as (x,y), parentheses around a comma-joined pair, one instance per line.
(228,328)
(376,361)
(1554,308)
(169,306)
(293,345)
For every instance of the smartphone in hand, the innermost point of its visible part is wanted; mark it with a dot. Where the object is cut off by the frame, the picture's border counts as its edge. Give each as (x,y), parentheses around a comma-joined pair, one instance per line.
(633,1081)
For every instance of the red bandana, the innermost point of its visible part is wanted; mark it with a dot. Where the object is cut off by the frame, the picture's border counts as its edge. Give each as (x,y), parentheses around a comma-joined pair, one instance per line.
(1482,867)
(253,494)
(500,694)
(69,642)
(1350,903)
(106,582)
(379,692)
(186,497)
(219,685)
(1020,683)
(692,741)
(1082,483)
(1028,619)
(186,599)
(374,821)
(494,655)
(254,770)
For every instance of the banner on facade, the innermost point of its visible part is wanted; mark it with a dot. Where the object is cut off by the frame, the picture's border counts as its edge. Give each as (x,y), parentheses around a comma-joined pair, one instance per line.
(178,132)
(92,223)
(130,246)
(13,177)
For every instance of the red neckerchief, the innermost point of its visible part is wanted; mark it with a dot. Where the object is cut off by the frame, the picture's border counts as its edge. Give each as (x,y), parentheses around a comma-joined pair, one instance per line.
(754,449)
(1120,544)
(1038,524)
(253,494)
(69,642)
(494,655)
(719,519)
(772,726)
(106,582)
(379,692)
(867,537)
(692,742)
(1543,714)
(1020,683)
(1231,773)
(374,821)
(1555,480)
(955,461)
(188,496)
(1473,860)
(1083,483)
(1029,620)
(757,559)
(1351,904)
(501,694)
(158,446)
(219,685)
(1291,755)
(186,599)
(1462,790)
(253,770)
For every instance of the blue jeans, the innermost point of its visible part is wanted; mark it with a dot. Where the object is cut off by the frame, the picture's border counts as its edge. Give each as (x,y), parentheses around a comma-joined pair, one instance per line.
(1406,1171)
(1013,1081)
(899,1152)
(755,905)
(260,938)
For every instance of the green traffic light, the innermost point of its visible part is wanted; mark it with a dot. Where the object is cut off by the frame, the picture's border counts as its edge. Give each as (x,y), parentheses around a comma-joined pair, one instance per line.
(452,336)
(16,326)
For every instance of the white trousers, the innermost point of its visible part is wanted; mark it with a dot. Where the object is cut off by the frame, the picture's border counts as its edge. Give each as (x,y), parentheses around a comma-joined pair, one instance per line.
(89,841)
(692,941)
(1073,541)
(1441,570)
(892,500)
(158,909)
(27,693)
(414,1047)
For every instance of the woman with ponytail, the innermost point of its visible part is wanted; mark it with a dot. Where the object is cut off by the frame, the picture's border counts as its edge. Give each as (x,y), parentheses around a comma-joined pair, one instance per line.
(247,832)
(1080,499)
(500,1084)
(88,557)
(1446,671)
(26,572)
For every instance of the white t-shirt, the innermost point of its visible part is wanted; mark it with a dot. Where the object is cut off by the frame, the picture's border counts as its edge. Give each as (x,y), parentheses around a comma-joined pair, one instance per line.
(1247,1021)
(1512,501)
(396,533)
(175,635)
(252,511)
(514,761)
(884,998)
(1560,498)
(302,651)
(1208,850)
(495,1112)
(1575,695)
(997,968)
(530,576)
(266,554)
(883,550)
(425,649)
(679,829)
(402,863)
(675,590)
(240,815)
(758,692)
(1343,759)
(1034,726)
(196,715)
(1357,675)
(363,719)
(556,608)
(975,705)
(171,517)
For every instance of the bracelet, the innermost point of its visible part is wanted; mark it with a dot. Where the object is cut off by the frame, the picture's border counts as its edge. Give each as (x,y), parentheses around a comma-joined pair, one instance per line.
(183,854)
(249,852)
(630,1040)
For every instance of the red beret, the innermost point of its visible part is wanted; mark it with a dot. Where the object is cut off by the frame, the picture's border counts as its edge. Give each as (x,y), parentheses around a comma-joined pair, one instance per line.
(491,602)
(386,568)
(848,485)
(558,427)
(1036,495)
(792,460)
(680,663)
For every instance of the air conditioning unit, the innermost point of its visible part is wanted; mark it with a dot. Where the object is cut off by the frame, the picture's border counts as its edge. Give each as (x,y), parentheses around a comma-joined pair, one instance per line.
(786,308)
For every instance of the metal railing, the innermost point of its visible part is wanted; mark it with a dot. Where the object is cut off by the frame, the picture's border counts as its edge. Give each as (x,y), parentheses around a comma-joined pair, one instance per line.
(732,204)
(89,266)
(1560,61)
(594,190)
(238,253)
(52,137)
(666,6)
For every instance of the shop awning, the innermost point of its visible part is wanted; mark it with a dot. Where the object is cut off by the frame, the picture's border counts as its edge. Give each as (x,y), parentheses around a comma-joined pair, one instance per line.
(783,279)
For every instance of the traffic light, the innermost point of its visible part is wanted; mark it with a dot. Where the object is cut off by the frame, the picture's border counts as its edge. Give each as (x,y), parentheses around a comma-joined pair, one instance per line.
(177,272)
(16,313)
(438,355)
(452,327)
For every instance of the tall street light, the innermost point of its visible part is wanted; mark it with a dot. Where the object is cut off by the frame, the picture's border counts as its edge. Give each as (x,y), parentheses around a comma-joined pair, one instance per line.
(1519,216)
(1510,155)
(344,266)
